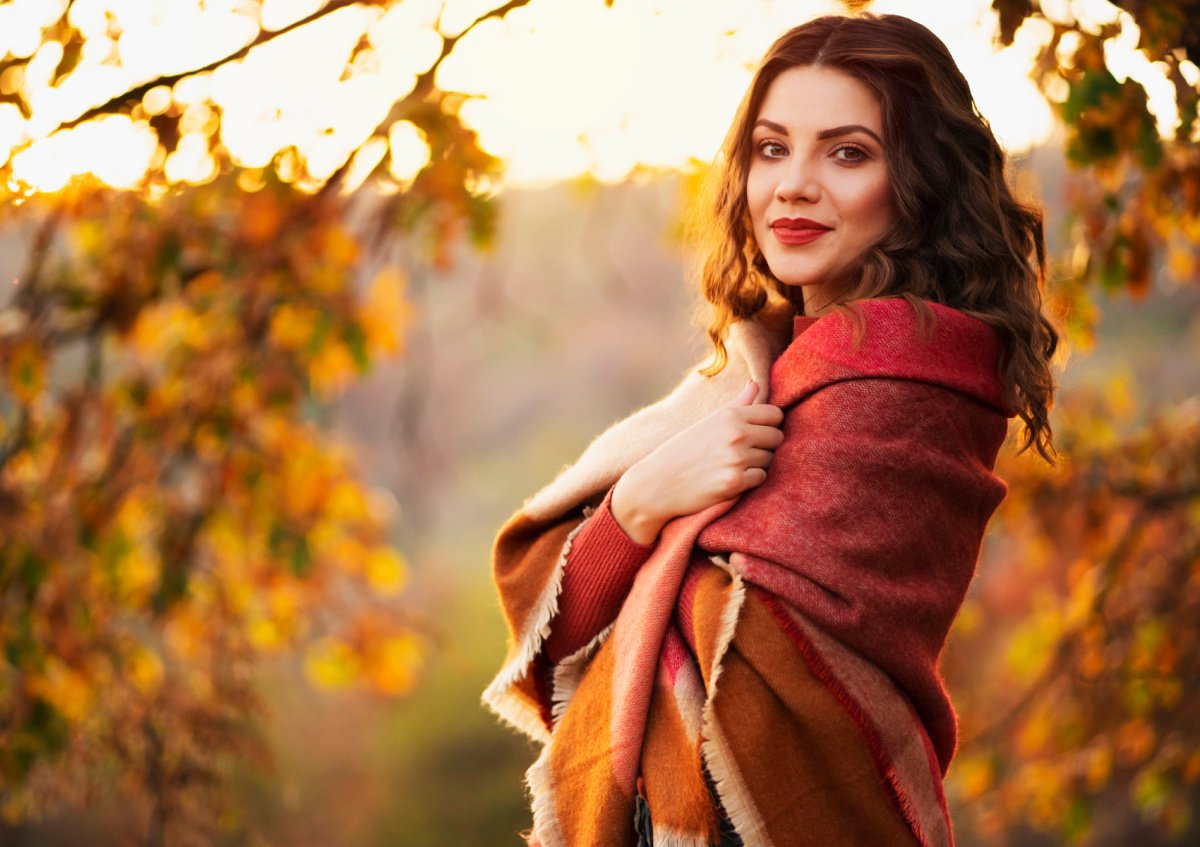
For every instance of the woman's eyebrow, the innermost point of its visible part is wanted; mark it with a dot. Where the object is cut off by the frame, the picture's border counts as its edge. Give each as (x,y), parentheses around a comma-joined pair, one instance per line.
(771,125)
(823,134)
(846,130)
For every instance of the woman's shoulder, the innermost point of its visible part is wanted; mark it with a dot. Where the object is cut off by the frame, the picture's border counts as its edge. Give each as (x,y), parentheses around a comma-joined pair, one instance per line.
(893,337)
(892,320)
(882,333)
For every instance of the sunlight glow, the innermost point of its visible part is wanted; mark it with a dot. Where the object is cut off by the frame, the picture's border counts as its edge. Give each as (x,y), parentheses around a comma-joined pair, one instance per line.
(12,129)
(1125,61)
(114,148)
(410,151)
(598,90)
(999,79)
(364,162)
(191,161)
(684,69)
(681,71)
(277,14)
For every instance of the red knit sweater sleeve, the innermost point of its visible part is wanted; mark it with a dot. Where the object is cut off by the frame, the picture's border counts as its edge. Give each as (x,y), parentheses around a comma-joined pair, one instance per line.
(598,574)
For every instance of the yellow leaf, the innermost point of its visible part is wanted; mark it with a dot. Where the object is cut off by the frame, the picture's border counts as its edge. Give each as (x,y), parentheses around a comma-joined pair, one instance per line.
(331,664)
(145,669)
(292,326)
(1099,768)
(265,635)
(15,809)
(139,573)
(385,313)
(183,636)
(1119,395)
(26,372)
(397,664)
(1041,786)
(974,777)
(332,368)
(64,688)
(1083,593)
(970,616)
(1035,733)
(1181,264)
(385,571)
(165,327)
(347,504)
(327,541)
(340,246)
(283,603)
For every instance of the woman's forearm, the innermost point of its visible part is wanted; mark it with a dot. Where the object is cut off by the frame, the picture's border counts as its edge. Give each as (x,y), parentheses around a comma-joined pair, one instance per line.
(600,569)
(717,458)
(629,509)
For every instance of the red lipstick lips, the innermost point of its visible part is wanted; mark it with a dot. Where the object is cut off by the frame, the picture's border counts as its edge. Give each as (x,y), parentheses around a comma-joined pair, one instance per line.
(797,230)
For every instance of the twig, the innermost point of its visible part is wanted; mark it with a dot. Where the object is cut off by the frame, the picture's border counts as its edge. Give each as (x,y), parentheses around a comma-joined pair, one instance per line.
(138,92)
(20,432)
(37,259)
(423,86)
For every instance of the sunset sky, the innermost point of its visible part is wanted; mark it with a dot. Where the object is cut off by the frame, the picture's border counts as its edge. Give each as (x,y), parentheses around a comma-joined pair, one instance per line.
(558,89)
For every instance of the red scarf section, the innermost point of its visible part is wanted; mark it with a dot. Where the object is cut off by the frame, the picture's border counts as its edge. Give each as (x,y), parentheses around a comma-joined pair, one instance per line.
(872,529)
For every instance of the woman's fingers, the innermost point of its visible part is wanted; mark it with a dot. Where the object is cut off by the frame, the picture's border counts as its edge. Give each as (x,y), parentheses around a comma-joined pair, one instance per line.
(762,414)
(768,437)
(748,394)
(758,458)
(755,476)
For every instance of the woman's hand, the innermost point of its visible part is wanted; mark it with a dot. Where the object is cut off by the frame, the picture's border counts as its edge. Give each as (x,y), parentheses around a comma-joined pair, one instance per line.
(715,459)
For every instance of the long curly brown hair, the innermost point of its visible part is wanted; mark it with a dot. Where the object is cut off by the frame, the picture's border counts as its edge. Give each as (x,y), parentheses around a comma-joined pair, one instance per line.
(959,238)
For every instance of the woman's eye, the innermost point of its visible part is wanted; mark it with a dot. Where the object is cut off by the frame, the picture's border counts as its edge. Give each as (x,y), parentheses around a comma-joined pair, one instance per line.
(771,149)
(850,153)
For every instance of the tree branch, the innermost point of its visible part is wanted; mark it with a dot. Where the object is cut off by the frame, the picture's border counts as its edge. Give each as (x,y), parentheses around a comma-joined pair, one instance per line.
(138,92)
(423,86)
(17,441)
(28,288)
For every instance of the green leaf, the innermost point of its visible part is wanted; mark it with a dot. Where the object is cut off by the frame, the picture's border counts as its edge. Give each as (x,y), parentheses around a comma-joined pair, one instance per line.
(1077,820)
(301,556)
(356,343)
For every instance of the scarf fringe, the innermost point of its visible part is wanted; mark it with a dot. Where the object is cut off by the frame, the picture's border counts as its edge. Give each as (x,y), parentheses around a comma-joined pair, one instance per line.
(547,830)
(569,672)
(731,791)
(664,837)
(499,695)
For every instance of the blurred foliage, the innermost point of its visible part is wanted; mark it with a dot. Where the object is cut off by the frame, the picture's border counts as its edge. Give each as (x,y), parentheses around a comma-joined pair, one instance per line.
(1075,664)
(1134,197)
(171,511)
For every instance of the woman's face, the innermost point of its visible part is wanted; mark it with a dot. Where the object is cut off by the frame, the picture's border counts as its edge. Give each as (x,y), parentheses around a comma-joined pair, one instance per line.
(817,187)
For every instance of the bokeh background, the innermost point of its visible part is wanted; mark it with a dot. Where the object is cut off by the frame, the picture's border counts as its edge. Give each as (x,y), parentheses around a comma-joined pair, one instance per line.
(300,299)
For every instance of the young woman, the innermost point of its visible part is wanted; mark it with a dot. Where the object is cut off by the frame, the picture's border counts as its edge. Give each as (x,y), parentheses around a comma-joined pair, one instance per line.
(726,616)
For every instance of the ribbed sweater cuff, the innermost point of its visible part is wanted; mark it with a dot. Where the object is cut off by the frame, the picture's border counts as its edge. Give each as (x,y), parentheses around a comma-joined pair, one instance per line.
(598,574)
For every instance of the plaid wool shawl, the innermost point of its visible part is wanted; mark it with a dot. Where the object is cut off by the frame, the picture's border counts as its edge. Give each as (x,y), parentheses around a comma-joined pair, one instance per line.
(820,605)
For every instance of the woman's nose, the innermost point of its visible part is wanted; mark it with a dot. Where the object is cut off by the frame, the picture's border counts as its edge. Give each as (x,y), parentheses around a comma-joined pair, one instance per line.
(797,183)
